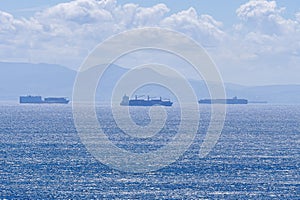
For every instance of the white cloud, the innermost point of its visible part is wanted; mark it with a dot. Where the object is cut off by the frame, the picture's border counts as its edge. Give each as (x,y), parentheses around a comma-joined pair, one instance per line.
(6,21)
(297,15)
(65,33)
(203,28)
(77,12)
(265,30)
(150,16)
(266,17)
(263,46)
(258,9)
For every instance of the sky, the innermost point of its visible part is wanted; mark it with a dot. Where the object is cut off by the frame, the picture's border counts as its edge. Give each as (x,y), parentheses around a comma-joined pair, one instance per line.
(252,42)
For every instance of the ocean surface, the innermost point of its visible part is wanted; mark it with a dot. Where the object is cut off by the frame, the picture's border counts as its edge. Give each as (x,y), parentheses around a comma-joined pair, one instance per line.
(256,157)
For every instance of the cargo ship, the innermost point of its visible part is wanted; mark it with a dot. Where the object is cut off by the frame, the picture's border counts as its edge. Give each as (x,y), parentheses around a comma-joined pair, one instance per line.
(234,100)
(144,102)
(39,100)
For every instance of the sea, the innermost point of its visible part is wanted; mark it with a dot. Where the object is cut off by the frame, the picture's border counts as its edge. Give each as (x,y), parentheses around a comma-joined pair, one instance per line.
(256,157)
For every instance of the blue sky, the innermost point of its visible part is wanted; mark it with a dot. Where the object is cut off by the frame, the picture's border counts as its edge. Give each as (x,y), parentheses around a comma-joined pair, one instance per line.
(218,9)
(253,42)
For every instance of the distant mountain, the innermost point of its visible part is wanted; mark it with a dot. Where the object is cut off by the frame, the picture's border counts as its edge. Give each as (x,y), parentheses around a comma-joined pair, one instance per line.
(277,94)
(283,94)
(49,80)
(54,80)
(37,79)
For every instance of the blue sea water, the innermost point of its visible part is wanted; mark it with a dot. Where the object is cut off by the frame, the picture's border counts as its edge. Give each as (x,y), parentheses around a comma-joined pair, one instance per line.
(256,157)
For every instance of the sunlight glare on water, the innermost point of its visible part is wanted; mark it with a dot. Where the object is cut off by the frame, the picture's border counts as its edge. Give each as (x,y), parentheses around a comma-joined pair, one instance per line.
(257,156)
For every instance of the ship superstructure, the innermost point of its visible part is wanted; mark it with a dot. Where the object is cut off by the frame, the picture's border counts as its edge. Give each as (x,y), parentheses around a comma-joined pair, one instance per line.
(145,102)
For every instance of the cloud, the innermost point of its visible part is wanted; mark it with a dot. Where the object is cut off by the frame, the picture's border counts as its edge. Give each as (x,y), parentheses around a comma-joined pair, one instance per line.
(150,16)
(265,30)
(67,32)
(265,17)
(202,28)
(258,9)
(261,47)
(7,21)
(77,12)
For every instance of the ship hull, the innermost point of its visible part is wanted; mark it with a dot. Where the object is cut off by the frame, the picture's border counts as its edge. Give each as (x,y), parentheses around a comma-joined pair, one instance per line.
(149,103)
(223,101)
(144,102)
(40,100)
